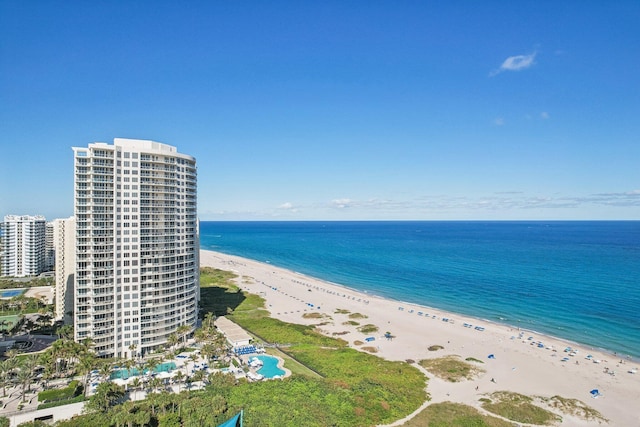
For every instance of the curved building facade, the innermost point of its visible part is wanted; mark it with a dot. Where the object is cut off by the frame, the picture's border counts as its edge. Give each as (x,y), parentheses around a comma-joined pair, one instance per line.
(137,245)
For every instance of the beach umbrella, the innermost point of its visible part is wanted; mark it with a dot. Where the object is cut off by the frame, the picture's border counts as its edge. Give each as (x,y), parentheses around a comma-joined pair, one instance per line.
(491,356)
(594,392)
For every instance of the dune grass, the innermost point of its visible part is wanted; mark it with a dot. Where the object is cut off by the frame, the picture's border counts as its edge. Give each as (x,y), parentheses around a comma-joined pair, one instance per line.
(368,328)
(575,407)
(451,368)
(313,316)
(357,316)
(518,407)
(357,388)
(448,414)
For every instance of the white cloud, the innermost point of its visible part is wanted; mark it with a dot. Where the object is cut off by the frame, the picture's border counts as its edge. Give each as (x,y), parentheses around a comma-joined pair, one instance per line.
(288,207)
(516,63)
(341,203)
(499,121)
(544,115)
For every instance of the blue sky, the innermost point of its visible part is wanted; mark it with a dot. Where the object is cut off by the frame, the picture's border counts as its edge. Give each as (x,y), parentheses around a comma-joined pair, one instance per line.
(335,109)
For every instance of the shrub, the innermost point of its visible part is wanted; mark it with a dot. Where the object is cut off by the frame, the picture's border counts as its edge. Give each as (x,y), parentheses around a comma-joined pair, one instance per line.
(357,316)
(518,407)
(451,368)
(73,389)
(53,404)
(367,329)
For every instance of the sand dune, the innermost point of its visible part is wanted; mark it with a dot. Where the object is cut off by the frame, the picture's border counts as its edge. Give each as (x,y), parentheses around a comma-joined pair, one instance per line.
(518,364)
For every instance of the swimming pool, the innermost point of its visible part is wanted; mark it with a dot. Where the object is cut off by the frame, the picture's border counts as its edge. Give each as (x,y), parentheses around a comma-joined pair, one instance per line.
(133,372)
(10,293)
(270,367)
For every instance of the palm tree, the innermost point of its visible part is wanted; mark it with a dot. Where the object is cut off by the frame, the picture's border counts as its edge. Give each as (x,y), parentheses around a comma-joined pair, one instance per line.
(208,351)
(65,332)
(105,371)
(30,363)
(194,358)
(178,377)
(183,331)
(86,365)
(142,416)
(172,340)
(121,414)
(200,335)
(199,375)
(4,376)
(135,384)
(209,320)
(88,344)
(132,349)
(107,394)
(24,378)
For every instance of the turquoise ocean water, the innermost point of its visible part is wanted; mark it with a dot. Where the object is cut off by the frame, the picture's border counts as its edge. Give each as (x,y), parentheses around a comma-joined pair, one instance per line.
(577,280)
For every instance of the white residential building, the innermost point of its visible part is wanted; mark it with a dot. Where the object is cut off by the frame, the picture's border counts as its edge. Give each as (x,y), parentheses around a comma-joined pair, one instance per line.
(137,246)
(64,238)
(23,245)
(49,248)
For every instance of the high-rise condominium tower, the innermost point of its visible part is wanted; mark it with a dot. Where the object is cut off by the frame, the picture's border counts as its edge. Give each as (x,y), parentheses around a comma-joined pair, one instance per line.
(23,244)
(64,237)
(137,246)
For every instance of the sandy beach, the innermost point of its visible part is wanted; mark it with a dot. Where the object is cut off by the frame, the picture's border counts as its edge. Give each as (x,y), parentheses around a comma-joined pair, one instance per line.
(522,361)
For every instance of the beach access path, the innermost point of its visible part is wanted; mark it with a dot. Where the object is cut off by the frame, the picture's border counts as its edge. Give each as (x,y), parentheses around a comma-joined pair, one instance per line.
(522,361)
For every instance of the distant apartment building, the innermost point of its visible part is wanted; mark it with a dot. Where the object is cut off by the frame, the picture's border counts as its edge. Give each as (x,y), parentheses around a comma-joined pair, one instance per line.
(136,248)
(23,245)
(64,238)
(49,248)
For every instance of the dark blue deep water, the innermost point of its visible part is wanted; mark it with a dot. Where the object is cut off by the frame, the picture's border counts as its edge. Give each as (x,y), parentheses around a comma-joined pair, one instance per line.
(578,280)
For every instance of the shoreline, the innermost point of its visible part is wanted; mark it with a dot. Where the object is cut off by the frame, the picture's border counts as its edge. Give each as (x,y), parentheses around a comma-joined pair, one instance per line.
(569,342)
(519,364)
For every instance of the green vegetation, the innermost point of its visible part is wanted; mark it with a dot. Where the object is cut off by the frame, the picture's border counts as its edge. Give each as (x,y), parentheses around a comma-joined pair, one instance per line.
(576,408)
(357,316)
(449,414)
(331,384)
(473,359)
(368,329)
(9,283)
(72,390)
(7,323)
(450,368)
(218,292)
(518,407)
(292,364)
(357,388)
(76,399)
(313,316)
(215,277)
(342,311)
(435,348)
(20,305)
(351,323)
